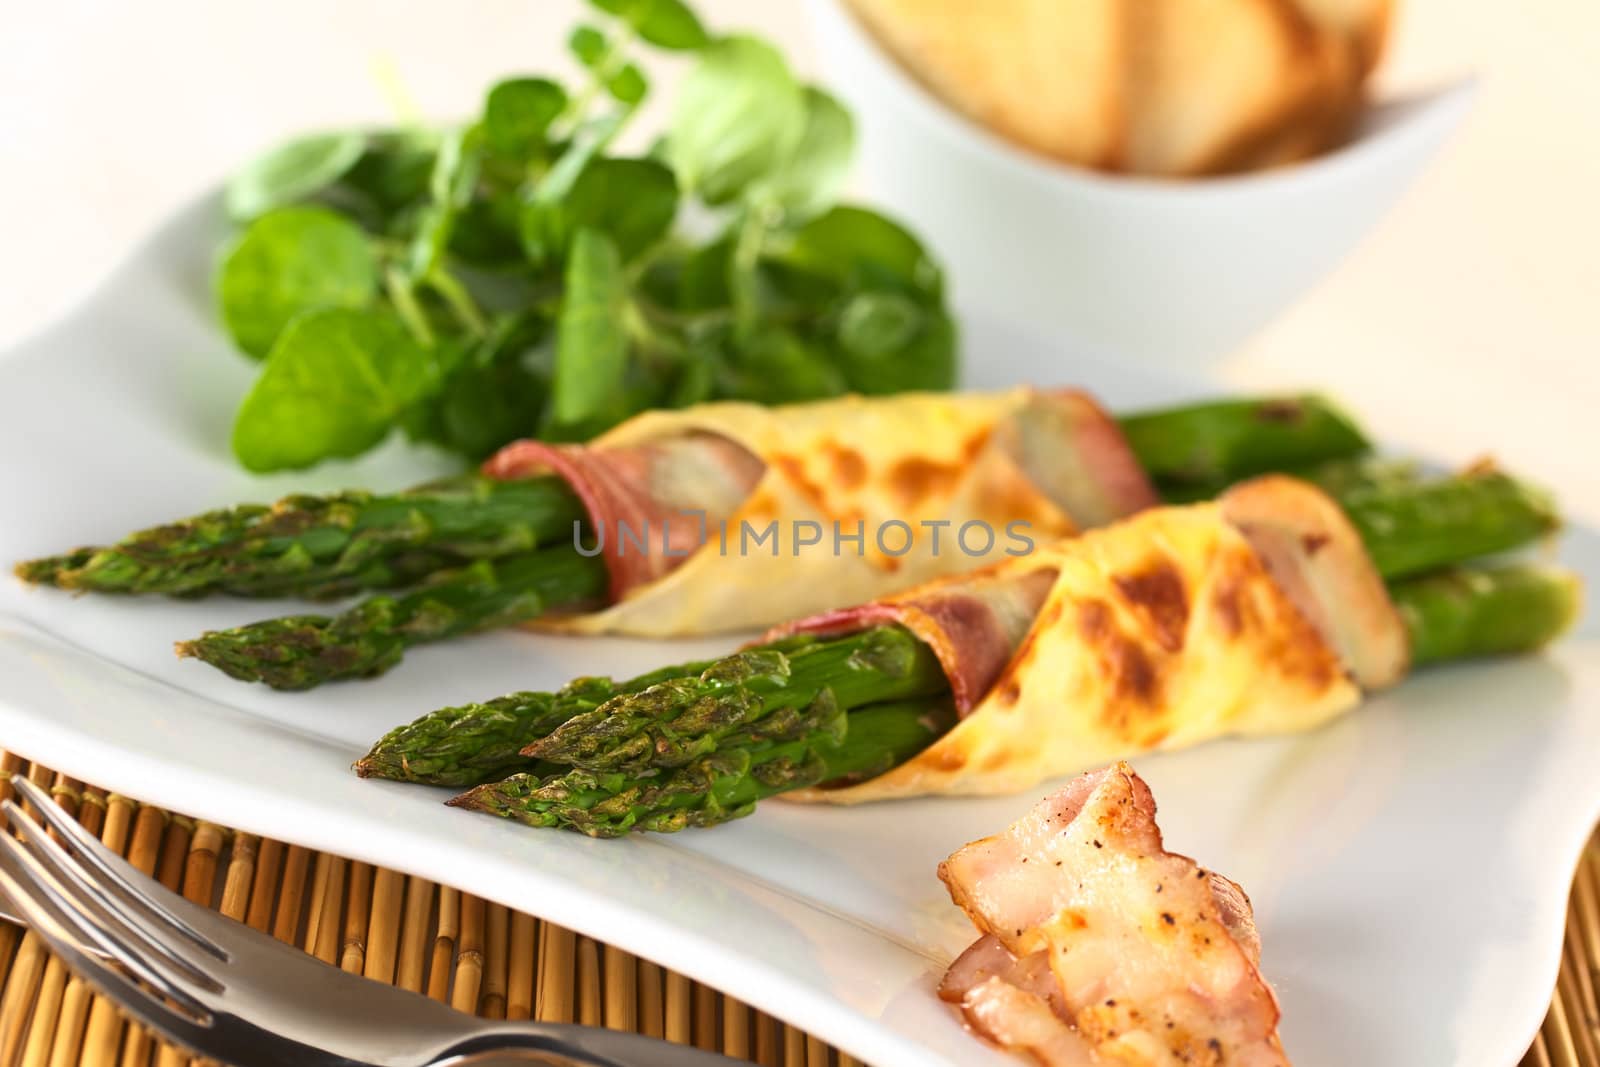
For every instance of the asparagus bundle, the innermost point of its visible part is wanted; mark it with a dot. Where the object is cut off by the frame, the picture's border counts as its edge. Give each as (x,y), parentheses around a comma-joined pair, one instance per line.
(474,553)
(701,744)
(1411,527)
(1462,613)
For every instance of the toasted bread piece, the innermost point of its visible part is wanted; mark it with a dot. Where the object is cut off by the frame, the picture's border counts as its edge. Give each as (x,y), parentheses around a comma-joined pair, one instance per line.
(1364,23)
(1210,80)
(1046,74)
(1159,87)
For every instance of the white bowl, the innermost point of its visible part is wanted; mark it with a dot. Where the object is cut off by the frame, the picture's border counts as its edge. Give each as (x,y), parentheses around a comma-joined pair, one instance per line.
(1158,270)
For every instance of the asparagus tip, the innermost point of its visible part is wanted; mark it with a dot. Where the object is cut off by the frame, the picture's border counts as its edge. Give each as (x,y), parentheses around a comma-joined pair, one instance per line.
(379,764)
(468,800)
(50,570)
(369,766)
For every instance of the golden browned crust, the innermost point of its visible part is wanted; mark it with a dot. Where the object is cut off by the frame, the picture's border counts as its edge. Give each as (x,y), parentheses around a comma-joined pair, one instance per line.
(1162,631)
(907,458)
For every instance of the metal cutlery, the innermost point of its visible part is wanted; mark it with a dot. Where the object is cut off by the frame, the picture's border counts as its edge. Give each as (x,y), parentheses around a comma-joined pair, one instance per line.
(239,996)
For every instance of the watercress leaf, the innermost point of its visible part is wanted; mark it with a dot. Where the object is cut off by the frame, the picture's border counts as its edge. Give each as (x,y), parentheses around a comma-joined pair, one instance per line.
(857,248)
(628,85)
(391,174)
(737,119)
(588,45)
(486,234)
(927,361)
(694,382)
(491,396)
(334,385)
(703,279)
(874,325)
(287,262)
(517,113)
(294,171)
(774,366)
(812,178)
(591,339)
(633,201)
(664,23)
(585,145)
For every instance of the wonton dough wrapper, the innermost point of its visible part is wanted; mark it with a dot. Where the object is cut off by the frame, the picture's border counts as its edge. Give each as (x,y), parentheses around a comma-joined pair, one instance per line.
(1162,631)
(1052,460)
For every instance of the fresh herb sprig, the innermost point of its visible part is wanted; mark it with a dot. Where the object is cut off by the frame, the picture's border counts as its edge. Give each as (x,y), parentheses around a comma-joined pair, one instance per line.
(517,276)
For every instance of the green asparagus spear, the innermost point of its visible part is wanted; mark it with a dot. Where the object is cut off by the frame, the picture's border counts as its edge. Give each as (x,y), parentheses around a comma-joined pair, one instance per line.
(1222,441)
(301,651)
(332,546)
(318,547)
(817,744)
(1412,524)
(1472,612)
(476,743)
(483,742)
(1439,523)
(1339,478)
(673,723)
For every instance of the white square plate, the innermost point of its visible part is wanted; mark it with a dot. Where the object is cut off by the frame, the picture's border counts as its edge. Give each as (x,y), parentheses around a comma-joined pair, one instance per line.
(1409,864)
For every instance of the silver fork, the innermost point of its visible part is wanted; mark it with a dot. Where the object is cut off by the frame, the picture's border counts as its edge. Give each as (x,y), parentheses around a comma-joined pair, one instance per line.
(234,994)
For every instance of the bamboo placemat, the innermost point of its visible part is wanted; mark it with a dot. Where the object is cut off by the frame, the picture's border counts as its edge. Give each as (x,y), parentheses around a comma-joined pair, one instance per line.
(481,957)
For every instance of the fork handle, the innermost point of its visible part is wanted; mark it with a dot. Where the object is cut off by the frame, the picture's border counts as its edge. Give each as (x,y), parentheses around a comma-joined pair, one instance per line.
(569,1045)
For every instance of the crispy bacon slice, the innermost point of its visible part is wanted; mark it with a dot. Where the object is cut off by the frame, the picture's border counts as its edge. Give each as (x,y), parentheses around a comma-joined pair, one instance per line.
(1020,1021)
(1139,956)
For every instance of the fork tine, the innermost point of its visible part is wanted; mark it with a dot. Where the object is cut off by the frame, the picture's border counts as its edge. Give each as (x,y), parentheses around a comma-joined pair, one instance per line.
(143,893)
(49,909)
(101,905)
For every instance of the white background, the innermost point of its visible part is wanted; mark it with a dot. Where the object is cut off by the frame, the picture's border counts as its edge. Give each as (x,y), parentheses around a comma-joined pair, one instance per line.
(1470,321)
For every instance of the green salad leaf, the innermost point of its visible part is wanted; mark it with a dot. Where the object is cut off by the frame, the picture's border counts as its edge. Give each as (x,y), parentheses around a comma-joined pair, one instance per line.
(858,247)
(287,262)
(492,394)
(924,358)
(592,342)
(292,172)
(335,384)
(738,118)
(628,84)
(811,183)
(634,201)
(517,114)
(519,274)
(588,45)
(664,23)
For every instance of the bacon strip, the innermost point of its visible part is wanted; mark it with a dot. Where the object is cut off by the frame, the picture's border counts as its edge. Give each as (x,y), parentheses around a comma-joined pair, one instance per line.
(641,492)
(1316,555)
(1138,955)
(973,625)
(1074,451)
